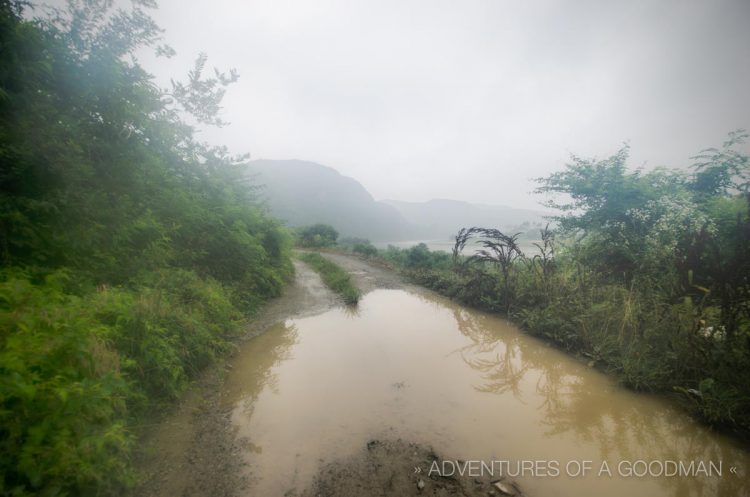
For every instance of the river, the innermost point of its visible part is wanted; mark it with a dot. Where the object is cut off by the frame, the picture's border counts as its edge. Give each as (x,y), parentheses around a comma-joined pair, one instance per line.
(408,364)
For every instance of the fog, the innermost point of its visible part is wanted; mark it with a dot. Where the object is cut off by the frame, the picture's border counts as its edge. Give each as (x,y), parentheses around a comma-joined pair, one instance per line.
(467,100)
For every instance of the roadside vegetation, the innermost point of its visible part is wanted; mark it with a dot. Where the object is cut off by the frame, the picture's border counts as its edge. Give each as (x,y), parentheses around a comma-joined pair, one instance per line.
(335,277)
(359,247)
(130,253)
(647,275)
(316,236)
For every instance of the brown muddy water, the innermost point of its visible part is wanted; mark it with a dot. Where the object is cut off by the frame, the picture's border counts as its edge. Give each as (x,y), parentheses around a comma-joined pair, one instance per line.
(314,390)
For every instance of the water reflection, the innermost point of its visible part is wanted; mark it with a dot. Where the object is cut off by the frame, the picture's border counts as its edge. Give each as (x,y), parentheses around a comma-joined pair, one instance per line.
(266,351)
(501,373)
(578,401)
(351,311)
(468,383)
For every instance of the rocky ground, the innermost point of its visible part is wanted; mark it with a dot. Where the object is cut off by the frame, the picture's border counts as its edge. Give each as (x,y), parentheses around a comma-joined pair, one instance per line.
(386,468)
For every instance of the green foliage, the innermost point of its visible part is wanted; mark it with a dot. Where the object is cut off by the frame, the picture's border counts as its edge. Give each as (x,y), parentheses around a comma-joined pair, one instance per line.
(348,242)
(75,370)
(62,396)
(620,216)
(129,253)
(722,171)
(358,246)
(365,249)
(316,236)
(177,324)
(416,257)
(335,278)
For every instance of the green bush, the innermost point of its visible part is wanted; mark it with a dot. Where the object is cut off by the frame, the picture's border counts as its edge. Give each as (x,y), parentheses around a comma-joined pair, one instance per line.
(366,249)
(76,371)
(63,397)
(316,236)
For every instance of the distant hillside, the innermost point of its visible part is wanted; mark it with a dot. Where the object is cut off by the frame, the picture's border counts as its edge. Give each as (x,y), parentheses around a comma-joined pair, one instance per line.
(302,193)
(442,218)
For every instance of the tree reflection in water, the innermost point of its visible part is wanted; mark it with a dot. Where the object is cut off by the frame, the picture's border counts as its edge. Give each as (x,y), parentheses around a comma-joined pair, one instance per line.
(571,403)
(503,371)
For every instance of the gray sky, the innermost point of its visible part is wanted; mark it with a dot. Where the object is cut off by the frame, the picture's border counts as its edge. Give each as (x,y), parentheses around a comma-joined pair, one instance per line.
(467,99)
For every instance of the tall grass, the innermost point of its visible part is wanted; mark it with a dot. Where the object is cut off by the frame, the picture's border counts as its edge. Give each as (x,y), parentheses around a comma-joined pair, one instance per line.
(336,278)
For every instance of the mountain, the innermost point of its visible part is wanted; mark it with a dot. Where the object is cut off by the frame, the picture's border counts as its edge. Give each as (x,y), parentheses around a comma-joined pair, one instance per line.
(302,193)
(442,218)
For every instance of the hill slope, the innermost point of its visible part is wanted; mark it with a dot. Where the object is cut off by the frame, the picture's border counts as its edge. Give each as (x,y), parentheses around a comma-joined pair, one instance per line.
(301,193)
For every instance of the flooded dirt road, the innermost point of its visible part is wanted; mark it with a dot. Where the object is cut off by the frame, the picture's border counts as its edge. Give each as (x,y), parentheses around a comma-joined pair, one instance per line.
(311,392)
(192,450)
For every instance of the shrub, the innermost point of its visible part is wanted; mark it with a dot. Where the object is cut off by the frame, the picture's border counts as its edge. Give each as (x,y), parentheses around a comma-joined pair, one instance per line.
(63,396)
(366,249)
(316,236)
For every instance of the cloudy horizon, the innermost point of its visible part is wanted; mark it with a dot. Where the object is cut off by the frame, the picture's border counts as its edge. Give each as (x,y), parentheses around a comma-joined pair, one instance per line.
(467,100)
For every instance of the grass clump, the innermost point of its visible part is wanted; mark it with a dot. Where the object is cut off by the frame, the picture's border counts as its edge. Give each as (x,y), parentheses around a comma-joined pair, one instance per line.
(336,278)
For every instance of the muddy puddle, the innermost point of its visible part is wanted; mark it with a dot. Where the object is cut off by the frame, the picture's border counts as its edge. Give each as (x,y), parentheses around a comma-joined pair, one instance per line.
(314,390)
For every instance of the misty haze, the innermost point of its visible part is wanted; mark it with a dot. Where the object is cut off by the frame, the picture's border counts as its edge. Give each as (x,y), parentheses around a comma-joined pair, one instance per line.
(374,248)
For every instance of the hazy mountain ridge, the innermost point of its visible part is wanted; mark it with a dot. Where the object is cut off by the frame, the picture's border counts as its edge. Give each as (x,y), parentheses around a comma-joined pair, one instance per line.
(442,218)
(302,193)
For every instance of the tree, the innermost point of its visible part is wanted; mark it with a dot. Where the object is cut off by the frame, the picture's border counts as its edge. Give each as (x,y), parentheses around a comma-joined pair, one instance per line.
(619,215)
(721,171)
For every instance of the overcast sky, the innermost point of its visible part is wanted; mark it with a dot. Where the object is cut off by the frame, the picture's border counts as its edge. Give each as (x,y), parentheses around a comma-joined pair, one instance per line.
(468,99)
